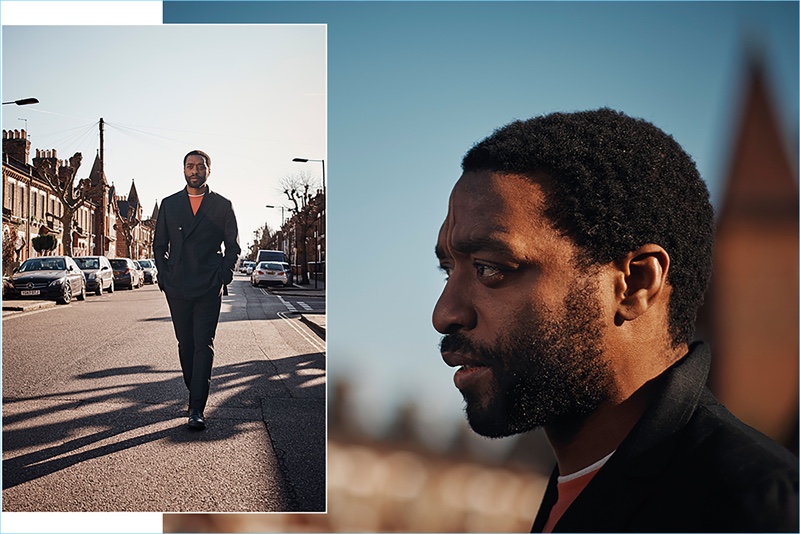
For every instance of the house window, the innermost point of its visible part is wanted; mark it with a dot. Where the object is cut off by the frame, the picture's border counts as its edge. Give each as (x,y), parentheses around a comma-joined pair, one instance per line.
(8,197)
(20,202)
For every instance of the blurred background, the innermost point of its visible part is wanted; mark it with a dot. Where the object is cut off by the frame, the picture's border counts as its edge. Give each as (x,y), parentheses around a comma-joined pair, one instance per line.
(411,87)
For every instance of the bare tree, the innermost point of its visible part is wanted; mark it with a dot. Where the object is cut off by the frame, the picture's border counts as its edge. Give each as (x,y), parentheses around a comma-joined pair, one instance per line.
(60,176)
(304,197)
(126,225)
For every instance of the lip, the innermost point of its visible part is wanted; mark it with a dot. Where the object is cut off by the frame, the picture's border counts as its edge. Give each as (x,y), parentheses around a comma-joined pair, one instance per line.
(470,370)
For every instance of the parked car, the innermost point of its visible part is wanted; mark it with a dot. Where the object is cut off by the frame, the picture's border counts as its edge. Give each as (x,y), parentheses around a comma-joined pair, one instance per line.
(140,268)
(126,274)
(246,267)
(47,277)
(150,271)
(270,273)
(98,272)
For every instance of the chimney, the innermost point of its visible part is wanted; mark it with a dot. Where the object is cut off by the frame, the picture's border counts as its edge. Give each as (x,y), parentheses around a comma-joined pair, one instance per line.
(16,145)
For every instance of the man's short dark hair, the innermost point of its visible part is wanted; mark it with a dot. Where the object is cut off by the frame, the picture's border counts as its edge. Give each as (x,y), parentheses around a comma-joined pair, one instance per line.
(200,153)
(615,183)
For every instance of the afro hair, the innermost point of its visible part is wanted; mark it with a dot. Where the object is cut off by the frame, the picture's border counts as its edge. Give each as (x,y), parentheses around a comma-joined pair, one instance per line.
(615,183)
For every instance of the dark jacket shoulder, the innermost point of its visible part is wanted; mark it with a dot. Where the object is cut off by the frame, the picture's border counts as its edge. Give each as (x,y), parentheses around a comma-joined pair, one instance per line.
(688,465)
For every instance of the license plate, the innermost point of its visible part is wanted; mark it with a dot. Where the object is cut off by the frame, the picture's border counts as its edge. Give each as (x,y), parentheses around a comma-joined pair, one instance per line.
(270,272)
(29,292)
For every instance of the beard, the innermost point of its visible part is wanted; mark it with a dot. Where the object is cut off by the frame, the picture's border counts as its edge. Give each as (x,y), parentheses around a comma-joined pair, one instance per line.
(544,369)
(198,180)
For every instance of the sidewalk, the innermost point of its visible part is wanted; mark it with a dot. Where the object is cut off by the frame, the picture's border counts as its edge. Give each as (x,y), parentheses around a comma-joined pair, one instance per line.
(17,306)
(317,321)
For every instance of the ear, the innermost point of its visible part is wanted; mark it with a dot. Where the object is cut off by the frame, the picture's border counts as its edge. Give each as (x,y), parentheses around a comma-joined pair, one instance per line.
(641,281)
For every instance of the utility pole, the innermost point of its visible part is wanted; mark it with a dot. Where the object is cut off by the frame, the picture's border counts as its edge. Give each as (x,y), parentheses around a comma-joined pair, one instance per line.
(103,199)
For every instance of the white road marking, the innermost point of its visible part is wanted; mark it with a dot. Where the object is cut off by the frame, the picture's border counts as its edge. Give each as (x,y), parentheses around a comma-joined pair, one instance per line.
(304,306)
(288,305)
(313,341)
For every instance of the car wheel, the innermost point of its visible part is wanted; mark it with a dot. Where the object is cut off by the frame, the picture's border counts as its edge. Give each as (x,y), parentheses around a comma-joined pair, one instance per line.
(111,287)
(82,294)
(99,290)
(66,295)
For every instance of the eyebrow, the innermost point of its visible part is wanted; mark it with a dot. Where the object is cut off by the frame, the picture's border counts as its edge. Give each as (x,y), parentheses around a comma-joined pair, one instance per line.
(478,244)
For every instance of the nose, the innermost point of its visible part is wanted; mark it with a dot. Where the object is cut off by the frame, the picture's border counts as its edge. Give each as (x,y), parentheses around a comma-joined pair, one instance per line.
(453,310)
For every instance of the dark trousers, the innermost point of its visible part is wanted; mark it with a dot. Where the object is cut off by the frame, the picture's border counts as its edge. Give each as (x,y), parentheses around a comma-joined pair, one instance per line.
(195,323)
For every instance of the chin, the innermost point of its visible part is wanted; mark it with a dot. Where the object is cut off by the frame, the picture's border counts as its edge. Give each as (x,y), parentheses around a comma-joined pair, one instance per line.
(491,420)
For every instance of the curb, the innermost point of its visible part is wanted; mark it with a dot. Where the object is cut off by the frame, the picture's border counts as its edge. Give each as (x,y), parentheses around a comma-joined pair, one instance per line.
(27,306)
(313,325)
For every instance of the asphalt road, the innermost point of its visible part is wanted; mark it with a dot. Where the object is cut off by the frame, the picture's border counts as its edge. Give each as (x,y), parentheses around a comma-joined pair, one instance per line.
(94,408)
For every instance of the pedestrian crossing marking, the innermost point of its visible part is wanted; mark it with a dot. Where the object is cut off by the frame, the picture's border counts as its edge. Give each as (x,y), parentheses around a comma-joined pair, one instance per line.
(288,305)
(304,306)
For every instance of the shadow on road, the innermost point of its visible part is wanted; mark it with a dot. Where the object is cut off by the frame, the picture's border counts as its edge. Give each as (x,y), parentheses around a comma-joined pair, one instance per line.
(138,405)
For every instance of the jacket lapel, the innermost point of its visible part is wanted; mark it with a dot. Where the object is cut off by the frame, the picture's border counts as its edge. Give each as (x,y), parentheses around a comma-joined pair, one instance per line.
(612,497)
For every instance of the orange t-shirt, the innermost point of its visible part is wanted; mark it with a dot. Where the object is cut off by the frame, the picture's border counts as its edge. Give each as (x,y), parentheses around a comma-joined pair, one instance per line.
(567,493)
(195,201)
(569,487)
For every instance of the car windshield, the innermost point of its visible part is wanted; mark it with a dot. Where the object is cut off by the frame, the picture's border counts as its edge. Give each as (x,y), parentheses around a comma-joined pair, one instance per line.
(87,263)
(43,264)
(119,264)
(145,263)
(272,266)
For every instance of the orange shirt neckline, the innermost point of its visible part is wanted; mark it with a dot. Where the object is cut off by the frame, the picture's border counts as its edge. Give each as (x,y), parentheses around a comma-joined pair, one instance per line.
(195,201)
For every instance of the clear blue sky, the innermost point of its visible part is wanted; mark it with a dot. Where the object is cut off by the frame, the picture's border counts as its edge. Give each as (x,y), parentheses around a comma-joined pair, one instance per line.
(413,85)
(253,97)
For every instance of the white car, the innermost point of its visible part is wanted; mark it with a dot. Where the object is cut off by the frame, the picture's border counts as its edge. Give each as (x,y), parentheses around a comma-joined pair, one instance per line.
(246,267)
(270,273)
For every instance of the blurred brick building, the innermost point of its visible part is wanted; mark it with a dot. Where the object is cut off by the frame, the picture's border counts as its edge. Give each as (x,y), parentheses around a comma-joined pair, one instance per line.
(751,311)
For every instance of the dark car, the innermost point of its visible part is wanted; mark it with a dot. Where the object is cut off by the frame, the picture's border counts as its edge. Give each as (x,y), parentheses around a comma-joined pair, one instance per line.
(126,274)
(98,272)
(49,277)
(150,271)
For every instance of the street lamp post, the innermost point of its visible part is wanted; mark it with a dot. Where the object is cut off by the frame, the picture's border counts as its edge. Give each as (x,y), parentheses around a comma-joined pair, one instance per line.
(23,101)
(26,102)
(271,206)
(306,160)
(283,245)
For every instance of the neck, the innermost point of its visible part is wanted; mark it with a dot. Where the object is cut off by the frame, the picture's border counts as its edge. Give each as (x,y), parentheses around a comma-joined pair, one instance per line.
(195,191)
(580,443)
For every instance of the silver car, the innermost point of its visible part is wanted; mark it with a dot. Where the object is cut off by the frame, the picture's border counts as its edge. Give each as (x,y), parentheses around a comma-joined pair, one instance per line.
(98,272)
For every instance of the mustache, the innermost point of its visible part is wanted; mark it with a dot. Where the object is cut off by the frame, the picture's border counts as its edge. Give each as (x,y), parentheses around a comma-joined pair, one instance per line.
(458,342)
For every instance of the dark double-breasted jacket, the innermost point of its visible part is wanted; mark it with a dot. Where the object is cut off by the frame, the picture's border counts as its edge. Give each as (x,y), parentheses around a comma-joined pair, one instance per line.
(195,253)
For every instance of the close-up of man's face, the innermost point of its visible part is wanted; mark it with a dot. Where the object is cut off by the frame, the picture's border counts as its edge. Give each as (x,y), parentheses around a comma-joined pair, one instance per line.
(521,317)
(196,171)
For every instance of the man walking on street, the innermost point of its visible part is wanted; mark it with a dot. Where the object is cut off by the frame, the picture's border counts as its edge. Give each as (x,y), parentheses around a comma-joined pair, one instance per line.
(577,249)
(192,226)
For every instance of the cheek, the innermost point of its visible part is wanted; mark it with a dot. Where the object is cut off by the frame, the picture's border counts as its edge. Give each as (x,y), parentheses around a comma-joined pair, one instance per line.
(498,314)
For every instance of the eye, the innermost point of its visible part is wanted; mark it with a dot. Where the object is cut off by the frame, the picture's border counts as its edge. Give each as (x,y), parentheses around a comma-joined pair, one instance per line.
(487,271)
(446,269)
